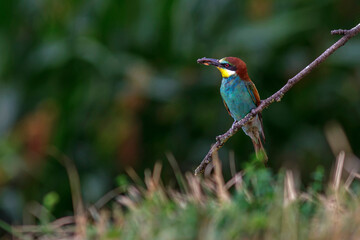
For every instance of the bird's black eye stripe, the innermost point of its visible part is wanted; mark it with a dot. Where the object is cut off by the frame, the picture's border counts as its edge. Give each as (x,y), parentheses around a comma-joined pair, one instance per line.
(228,66)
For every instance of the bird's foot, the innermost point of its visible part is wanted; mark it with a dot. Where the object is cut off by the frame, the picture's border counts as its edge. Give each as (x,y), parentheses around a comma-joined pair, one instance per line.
(218,138)
(253,111)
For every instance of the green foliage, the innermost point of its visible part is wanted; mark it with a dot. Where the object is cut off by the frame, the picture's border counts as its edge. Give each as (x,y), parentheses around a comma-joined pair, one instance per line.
(50,200)
(318,179)
(122,182)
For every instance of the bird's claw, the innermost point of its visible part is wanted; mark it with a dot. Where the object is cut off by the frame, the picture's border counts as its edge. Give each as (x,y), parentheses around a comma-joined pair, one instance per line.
(218,138)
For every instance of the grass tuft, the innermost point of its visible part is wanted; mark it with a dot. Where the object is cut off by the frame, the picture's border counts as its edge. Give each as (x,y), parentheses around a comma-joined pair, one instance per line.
(253,204)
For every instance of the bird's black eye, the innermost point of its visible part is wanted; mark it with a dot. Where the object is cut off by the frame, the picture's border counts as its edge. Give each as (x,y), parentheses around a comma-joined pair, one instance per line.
(226,65)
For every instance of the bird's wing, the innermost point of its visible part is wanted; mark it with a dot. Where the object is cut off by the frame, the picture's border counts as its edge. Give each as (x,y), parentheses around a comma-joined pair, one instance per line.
(256,99)
(253,93)
(227,108)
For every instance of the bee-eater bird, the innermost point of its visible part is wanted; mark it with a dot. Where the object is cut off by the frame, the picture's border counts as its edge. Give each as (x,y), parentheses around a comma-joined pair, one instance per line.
(240,96)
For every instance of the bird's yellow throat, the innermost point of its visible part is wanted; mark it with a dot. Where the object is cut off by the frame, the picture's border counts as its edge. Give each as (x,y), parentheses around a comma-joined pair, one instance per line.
(225,73)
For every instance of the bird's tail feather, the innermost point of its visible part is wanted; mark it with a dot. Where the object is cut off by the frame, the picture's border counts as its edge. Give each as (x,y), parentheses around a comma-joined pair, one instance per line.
(259,149)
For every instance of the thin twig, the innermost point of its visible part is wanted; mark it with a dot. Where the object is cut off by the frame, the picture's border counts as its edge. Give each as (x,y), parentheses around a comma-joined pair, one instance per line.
(339,32)
(220,140)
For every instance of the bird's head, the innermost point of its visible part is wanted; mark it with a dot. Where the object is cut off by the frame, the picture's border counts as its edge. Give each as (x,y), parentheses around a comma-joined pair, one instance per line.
(227,66)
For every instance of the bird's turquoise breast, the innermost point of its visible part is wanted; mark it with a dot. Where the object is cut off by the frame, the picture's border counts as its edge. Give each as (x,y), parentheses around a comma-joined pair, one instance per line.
(234,92)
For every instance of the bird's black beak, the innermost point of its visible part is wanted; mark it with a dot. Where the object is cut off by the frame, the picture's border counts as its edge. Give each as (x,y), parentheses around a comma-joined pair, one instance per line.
(209,61)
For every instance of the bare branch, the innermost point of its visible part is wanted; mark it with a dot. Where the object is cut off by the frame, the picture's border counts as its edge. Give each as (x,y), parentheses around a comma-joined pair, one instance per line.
(221,140)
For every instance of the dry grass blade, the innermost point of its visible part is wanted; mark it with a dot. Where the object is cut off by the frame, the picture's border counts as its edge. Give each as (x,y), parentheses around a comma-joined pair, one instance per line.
(290,194)
(135,177)
(195,187)
(152,180)
(74,179)
(222,193)
(101,224)
(126,201)
(349,180)
(338,170)
(235,180)
(174,165)
(107,197)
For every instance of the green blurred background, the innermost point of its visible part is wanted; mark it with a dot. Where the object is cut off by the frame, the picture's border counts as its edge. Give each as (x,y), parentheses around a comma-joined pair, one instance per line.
(115,84)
